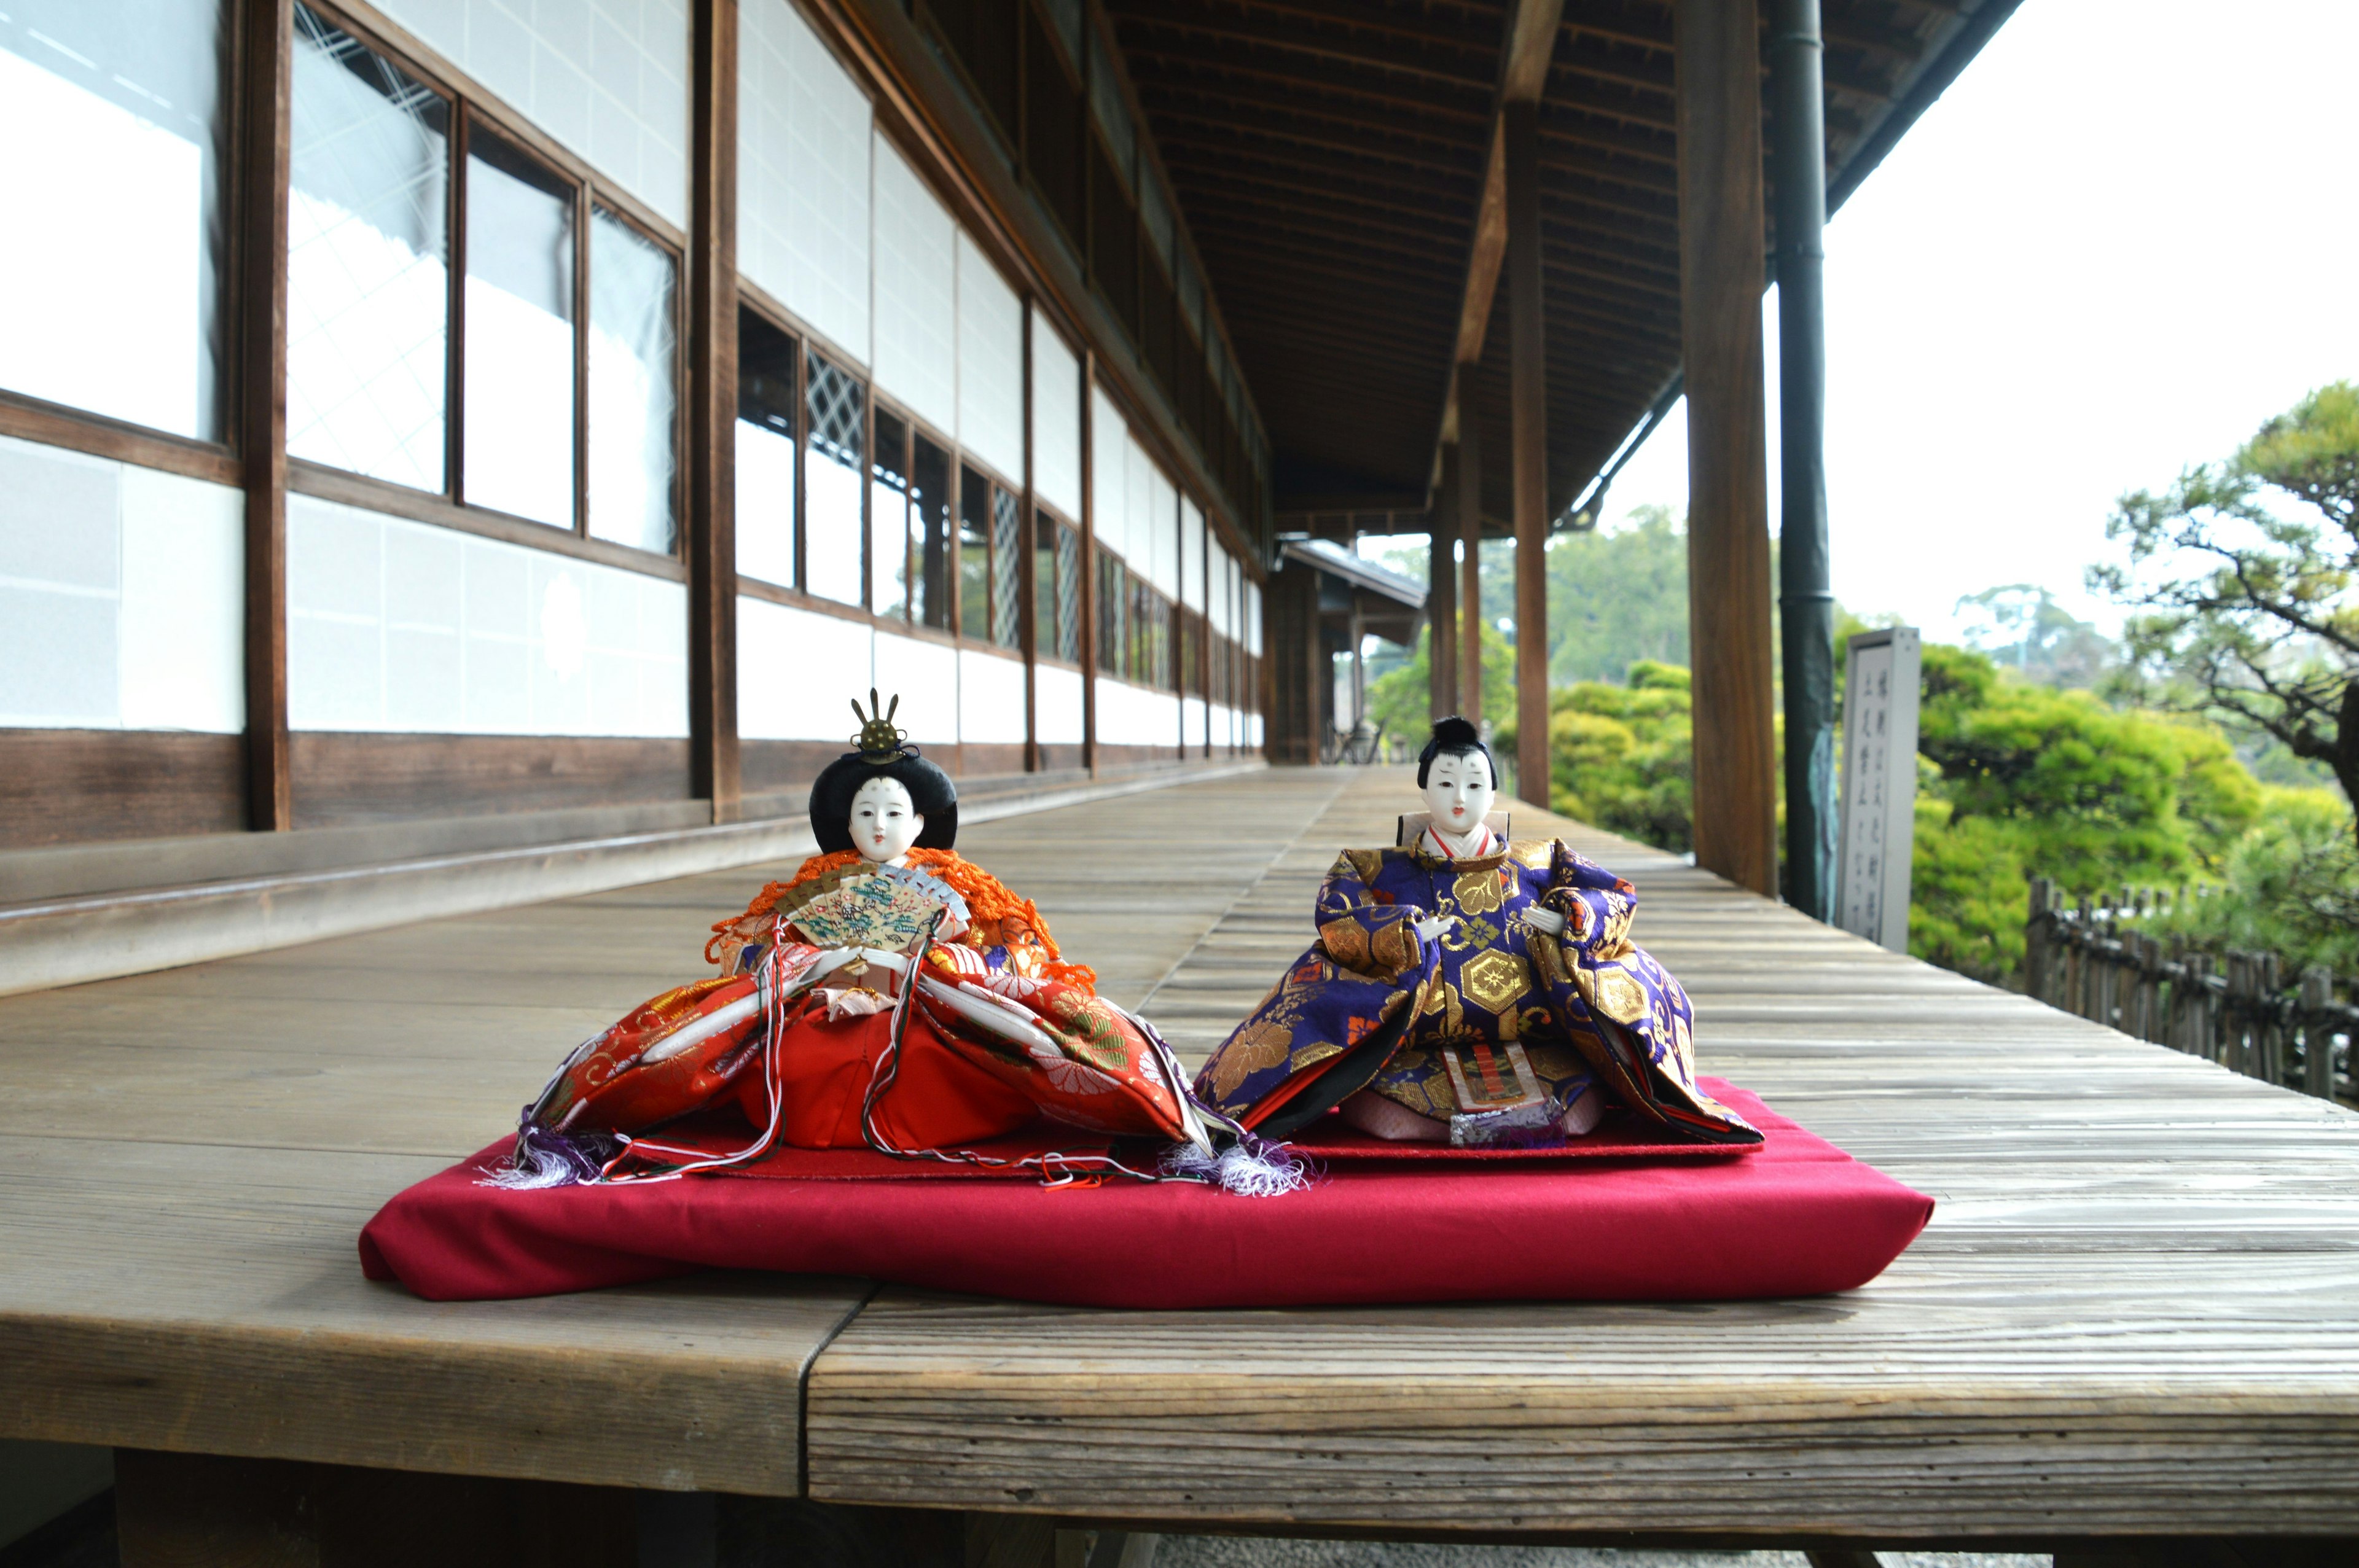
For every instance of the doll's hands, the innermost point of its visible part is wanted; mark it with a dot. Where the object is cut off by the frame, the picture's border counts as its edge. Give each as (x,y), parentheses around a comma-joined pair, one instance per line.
(1433,926)
(1543,919)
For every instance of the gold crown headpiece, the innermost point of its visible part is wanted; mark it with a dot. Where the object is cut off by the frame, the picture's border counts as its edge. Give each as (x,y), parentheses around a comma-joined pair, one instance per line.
(879,740)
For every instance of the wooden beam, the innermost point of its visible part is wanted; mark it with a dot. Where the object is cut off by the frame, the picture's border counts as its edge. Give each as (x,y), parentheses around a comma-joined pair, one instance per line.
(1528,403)
(1523,77)
(711,520)
(1735,806)
(266,81)
(1441,591)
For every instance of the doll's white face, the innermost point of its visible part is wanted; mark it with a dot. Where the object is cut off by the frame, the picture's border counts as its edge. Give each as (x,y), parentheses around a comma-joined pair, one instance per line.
(1458,792)
(884,822)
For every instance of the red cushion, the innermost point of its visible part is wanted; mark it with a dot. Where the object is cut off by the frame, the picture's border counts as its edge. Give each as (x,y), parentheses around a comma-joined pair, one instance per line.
(1797,1217)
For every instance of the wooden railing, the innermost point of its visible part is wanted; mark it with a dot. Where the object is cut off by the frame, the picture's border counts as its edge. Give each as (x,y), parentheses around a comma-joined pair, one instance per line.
(2233,1007)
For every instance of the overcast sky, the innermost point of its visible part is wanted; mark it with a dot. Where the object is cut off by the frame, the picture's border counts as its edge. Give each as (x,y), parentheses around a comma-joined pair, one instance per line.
(2123,237)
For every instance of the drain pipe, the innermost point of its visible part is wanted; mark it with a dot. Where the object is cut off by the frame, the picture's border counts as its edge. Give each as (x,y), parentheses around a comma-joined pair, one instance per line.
(1806,598)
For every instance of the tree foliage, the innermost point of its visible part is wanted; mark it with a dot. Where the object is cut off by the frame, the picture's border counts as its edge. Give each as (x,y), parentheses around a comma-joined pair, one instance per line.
(2249,614)
(2021,781)
(1401,699)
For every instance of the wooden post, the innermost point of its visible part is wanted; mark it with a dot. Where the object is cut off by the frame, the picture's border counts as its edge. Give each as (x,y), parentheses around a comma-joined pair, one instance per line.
(2317,1033)
(262,404)
(1527,345)
(2036,938)
(1718,66)
(712,409)
(2269,1030)
(1441,590)
(1027,588)
(1470,566)
(1089,565)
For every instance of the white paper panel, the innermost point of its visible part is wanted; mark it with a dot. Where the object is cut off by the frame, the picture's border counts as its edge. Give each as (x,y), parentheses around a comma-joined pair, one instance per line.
(990,364)
(1195,722)
(1193,586)
(915,299)
(1109,493)
(802,174)
(1056,421)
(1161,548)
(606,78)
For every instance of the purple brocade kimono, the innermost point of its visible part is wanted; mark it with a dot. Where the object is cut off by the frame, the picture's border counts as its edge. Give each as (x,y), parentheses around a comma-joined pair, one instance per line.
(1493,1012)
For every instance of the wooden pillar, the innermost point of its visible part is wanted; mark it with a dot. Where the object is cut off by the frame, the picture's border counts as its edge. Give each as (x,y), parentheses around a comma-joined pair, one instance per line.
(1527,345)
(1470,566)
(712,409)
(262,404)
(1441,590)
(1027,585)
(1719,114)
(1089,521)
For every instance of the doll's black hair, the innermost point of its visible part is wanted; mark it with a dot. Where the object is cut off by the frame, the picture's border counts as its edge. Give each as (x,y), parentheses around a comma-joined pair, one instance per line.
(1452,737)
(882,751)
(931,796)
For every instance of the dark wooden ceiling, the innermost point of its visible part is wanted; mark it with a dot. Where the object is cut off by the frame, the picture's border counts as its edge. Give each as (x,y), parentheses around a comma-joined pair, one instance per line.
(1330,157)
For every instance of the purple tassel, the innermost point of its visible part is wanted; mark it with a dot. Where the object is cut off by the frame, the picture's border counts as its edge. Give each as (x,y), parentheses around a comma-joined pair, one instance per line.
(547,1159)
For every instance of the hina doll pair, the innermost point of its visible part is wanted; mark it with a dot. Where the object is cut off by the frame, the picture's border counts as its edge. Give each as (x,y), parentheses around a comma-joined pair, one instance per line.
(1461,990)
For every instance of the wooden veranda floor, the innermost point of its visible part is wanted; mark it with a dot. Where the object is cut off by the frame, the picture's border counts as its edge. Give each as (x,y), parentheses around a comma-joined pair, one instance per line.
(2136,1308)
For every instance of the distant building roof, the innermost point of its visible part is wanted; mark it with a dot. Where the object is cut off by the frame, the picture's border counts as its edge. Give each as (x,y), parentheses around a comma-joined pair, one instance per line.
(1360,572)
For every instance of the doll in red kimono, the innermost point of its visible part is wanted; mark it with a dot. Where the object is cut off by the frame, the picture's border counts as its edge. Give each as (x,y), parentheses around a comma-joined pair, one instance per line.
(890,996)
(1469,990)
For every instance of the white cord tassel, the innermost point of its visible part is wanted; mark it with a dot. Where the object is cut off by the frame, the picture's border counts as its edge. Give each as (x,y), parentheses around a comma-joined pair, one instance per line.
(1250,1168)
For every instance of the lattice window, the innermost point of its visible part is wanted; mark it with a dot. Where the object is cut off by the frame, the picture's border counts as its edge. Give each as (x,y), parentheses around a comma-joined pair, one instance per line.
(1006,601)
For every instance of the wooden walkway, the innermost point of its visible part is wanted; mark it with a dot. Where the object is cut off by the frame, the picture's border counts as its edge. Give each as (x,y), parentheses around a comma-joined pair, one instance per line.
(2136,1310)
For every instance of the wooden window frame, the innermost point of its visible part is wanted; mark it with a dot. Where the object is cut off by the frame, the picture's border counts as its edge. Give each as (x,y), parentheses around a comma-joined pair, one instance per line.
(1055,515)
(914,425)
(590,195)
(220,460)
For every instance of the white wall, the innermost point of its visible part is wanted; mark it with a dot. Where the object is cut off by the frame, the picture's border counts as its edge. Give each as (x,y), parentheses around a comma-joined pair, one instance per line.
(990,698)
(1056,420)
(803,149)
(990,363)
(1195,722)
(915,299)
(777,649)
(122,596)
(924,676)
(1056,705)
(1133,716)
(1253,625)
(606,78)
(407,627)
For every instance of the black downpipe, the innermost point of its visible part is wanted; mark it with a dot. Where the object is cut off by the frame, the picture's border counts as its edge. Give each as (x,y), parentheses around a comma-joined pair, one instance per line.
(1806,598)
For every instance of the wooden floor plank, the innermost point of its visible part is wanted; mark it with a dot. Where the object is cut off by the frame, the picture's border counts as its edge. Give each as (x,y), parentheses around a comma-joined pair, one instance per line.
(2136,1310)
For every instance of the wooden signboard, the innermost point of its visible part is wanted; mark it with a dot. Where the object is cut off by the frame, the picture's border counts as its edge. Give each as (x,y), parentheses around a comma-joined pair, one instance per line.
(1879,786)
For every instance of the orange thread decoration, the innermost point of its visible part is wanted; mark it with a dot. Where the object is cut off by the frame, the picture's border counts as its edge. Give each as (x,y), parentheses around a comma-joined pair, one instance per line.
(987,899)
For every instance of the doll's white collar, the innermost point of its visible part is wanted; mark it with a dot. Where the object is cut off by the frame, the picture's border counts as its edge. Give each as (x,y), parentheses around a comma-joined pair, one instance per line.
(1469,846)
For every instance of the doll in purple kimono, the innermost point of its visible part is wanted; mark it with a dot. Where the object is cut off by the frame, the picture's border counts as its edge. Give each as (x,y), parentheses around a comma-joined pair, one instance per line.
(1469,990)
